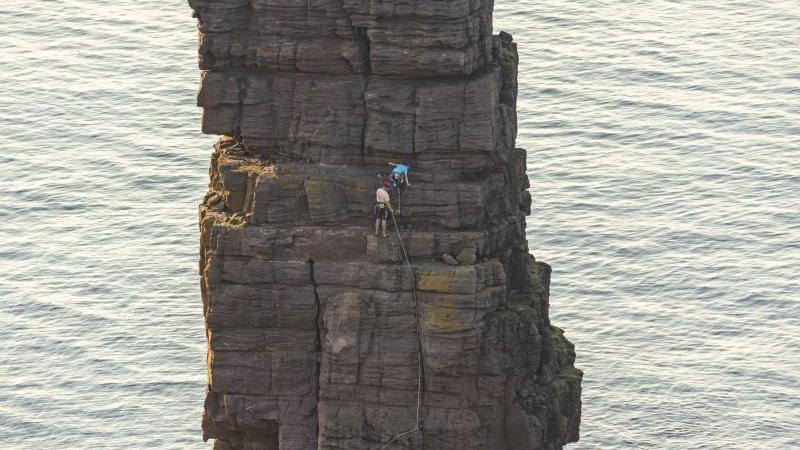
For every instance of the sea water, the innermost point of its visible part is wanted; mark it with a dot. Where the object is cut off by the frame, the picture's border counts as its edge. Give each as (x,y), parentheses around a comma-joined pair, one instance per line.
(663,146)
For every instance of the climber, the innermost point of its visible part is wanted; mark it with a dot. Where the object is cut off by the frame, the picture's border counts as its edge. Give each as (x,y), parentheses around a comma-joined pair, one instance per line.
(400,174)
(383,207)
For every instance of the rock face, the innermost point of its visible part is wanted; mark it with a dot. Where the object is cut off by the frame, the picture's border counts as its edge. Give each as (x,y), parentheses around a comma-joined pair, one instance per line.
(322,335)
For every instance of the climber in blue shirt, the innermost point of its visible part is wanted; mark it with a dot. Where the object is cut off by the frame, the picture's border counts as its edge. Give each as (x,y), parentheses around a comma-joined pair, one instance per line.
(400,174)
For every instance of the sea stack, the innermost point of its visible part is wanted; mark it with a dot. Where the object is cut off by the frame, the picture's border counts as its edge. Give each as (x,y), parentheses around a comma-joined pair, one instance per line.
(322,335)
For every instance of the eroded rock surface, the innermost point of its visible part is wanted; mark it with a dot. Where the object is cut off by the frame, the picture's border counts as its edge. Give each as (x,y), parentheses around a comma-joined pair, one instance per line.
(385,37)
(314,329)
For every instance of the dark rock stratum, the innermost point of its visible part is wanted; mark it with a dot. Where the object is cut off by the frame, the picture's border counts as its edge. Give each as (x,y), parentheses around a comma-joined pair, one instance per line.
(313,327)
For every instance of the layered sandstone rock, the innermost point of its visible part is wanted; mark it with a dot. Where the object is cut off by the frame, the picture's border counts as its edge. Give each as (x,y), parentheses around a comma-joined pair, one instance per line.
(384,37)
(322,335)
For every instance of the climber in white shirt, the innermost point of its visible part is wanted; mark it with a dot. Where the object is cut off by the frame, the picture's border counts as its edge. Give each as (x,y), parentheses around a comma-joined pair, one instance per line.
(383,207)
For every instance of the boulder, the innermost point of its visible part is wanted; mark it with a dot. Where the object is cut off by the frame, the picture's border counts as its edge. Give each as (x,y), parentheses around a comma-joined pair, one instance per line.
(467,256)
(449,259)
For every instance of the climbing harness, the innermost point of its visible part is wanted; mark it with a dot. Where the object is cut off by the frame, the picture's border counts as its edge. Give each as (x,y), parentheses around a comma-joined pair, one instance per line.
(397,184)
(419,338)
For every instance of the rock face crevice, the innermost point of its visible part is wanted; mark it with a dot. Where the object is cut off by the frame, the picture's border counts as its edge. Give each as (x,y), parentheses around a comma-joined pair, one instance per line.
(313,326)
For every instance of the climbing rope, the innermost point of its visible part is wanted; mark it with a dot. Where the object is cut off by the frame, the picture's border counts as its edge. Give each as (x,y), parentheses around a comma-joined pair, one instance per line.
(419,338)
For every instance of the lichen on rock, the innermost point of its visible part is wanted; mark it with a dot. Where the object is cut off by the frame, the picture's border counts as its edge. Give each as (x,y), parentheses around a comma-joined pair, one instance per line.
(322,335)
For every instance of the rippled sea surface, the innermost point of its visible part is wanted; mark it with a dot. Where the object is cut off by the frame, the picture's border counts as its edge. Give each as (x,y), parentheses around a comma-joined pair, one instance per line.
(664,153)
